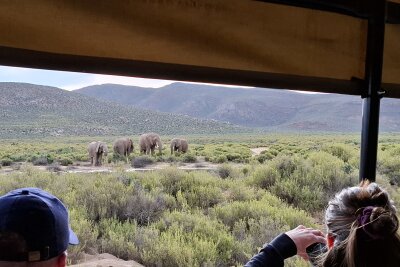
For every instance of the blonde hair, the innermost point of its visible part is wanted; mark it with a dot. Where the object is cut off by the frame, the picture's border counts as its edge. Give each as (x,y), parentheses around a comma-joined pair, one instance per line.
(371,242)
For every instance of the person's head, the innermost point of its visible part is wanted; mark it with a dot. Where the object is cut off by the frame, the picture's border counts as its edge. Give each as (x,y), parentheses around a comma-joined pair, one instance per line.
(34,229)
(362,228)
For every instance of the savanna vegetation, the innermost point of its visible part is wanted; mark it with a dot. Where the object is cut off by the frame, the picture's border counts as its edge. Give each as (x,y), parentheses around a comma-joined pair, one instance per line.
(171,217)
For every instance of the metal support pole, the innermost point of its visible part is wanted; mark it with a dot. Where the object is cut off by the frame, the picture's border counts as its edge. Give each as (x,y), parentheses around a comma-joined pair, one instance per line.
(372,92)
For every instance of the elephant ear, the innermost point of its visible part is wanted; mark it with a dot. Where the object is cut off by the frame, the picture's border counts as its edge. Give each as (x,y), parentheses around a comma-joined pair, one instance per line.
(98,147)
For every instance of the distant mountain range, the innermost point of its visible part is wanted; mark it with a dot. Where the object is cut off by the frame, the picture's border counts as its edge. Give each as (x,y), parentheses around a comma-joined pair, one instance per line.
(277,110)
(29,110)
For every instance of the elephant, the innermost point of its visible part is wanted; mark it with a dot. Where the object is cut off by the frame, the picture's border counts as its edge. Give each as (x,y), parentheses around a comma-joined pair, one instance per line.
(96,151)
(148,142)
(123,147)
(180,145)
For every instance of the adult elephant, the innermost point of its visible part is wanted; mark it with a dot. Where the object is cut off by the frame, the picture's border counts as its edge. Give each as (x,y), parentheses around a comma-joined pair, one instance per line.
(123,147)
(148,142)
(180,145)
(96,151)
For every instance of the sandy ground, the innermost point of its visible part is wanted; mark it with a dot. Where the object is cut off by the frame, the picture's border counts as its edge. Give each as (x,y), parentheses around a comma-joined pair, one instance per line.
(105,260)
(84,167)
(257,151)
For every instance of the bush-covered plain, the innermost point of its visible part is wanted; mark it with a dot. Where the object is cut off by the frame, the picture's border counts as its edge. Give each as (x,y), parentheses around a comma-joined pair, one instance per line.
(171,217)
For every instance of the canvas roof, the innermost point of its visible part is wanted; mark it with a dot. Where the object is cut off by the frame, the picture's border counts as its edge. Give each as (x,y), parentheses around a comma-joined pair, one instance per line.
(307,45)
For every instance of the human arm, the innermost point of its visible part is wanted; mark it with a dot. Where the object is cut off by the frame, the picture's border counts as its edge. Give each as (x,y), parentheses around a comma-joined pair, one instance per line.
(274,253)
(285,246)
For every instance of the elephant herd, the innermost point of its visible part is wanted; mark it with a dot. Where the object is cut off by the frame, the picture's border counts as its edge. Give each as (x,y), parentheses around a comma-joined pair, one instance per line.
(148,142)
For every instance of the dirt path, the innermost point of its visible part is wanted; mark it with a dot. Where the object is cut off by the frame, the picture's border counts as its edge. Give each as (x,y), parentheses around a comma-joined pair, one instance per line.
(105,260)
(257,151)
(83,167)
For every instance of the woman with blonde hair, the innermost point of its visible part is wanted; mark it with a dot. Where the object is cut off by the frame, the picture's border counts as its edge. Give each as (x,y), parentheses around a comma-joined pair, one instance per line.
(362,230)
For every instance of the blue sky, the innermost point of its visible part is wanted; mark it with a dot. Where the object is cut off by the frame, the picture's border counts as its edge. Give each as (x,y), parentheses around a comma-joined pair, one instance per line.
(75,80)
(71,80)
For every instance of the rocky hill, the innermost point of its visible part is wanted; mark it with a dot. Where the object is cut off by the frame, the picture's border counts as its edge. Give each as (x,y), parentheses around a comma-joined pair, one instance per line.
(277,110)
(34,110)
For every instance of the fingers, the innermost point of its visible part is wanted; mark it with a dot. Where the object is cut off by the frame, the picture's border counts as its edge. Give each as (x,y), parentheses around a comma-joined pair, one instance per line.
(317,233)
(311,230)
(305,236)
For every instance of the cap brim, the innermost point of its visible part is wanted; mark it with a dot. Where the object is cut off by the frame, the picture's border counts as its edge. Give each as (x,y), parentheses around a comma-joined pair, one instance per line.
(73,239)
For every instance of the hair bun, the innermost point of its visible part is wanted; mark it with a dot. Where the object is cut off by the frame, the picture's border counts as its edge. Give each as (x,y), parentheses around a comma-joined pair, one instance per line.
(383,223)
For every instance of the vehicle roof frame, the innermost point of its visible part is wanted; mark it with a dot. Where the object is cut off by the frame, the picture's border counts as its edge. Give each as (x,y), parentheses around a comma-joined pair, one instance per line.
(377,12)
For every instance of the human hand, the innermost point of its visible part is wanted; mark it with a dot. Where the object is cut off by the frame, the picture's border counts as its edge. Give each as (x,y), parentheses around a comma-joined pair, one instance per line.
(304,237)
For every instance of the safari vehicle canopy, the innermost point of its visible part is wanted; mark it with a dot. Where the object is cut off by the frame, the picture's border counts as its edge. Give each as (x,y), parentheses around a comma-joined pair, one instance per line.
(333,46)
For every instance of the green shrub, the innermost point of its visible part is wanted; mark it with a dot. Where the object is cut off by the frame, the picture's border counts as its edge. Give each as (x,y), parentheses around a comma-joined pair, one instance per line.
(142,161)
(55,167)
(219,159)
(65,161)
(220,153)
(103,196)
(117,238)
(285,165)
(238,191)
(265,156)
(264,177)
(189,158)
(252,234)
(203,227)
(171,179)
(292,192)
(269,206)
(234,157)
(171,158)
(118,157)
(224,171)
(40,161)
(307,183)
(19,157)
(389,164)
(328,172)
(342,151)
(203,196)
(87,232)
(145,207)
(177,248)
(6,162)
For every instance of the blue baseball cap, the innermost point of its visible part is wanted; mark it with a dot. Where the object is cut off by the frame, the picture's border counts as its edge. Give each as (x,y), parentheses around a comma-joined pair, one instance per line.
(34,226)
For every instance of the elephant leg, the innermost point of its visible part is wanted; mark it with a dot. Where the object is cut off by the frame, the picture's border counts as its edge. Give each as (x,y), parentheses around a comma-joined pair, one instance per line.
(100,159)
(91,161)
(152,151)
